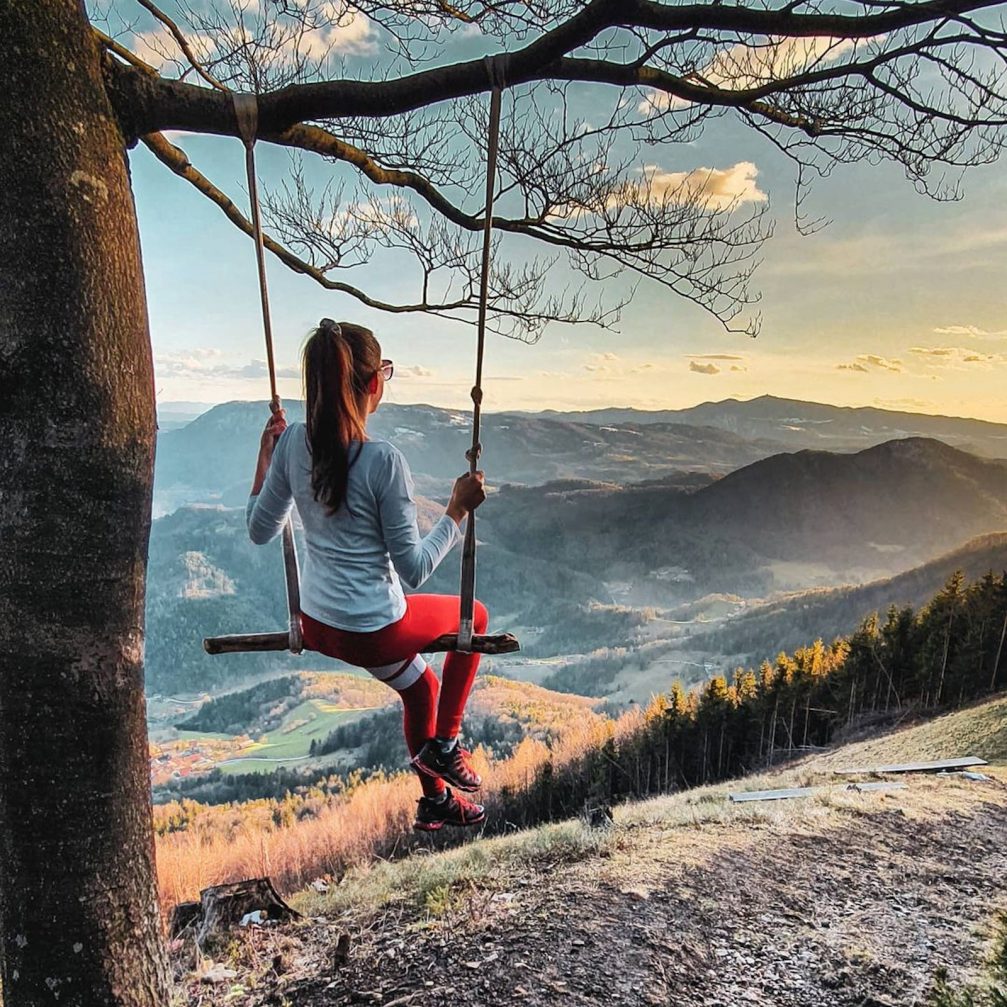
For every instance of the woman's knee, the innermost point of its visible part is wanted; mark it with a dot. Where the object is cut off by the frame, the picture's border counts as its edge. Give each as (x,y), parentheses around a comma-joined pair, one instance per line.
(423,691)
(480,617)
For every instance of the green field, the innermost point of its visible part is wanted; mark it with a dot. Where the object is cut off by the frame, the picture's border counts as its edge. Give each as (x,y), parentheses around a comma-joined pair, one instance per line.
(290,743)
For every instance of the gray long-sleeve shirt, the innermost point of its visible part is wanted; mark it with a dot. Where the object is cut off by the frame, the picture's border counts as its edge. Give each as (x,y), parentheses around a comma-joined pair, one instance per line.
(350,577)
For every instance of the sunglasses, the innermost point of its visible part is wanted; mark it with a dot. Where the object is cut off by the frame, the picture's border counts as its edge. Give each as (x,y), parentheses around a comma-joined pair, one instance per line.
(387,369)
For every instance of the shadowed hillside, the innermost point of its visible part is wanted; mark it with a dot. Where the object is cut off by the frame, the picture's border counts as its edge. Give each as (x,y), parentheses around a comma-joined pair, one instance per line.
(781,625)
(885,509)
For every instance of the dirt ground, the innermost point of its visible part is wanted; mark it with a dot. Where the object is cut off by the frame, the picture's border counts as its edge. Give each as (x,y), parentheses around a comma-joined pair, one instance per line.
(852,902)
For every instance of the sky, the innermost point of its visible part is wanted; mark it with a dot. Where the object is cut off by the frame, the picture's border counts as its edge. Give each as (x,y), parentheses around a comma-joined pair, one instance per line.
(899,302)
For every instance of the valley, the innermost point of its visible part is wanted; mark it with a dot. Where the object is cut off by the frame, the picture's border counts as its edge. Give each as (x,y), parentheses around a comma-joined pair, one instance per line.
(712,552)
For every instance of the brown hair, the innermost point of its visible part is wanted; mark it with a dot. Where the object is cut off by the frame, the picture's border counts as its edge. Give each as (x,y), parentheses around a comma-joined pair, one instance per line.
(339,361)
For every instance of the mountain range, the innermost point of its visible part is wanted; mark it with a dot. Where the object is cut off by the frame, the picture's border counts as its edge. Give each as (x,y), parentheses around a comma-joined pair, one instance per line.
(210,459)
(798,424)
(573,565)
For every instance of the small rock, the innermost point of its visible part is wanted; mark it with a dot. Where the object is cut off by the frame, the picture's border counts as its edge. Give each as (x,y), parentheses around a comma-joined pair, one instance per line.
(637,894)
(216,973)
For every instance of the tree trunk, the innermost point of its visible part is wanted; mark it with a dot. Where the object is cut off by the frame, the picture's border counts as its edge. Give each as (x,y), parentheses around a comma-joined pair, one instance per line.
(944,661)
(996,660)
(79,921)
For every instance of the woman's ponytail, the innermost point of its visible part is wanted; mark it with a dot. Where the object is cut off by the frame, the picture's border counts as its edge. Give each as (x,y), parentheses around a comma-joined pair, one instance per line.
(339,362)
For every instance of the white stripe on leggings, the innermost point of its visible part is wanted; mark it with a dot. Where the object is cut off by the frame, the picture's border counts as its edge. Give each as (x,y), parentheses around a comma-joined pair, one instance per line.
(401,674)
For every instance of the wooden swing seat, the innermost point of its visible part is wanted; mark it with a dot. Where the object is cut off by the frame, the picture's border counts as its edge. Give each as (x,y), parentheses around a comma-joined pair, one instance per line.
(500,643)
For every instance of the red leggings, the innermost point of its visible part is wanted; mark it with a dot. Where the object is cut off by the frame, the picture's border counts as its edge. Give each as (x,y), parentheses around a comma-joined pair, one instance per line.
(392,655)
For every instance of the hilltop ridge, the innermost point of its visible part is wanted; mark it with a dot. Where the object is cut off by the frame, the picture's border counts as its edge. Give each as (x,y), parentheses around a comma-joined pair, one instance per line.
(799,423)
(845,899)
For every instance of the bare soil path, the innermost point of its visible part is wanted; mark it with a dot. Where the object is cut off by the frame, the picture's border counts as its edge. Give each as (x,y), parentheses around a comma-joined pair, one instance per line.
(842,901)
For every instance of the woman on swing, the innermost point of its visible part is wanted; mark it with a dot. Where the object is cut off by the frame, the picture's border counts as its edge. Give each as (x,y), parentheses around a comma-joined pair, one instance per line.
(355,500)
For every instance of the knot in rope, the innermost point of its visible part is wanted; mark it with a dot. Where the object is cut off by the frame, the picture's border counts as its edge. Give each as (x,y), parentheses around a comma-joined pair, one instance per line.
(496,69)
(246,112)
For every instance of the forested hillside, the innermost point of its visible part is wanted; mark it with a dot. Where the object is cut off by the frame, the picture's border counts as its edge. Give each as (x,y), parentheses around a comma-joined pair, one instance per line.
(912,662)
(781,625)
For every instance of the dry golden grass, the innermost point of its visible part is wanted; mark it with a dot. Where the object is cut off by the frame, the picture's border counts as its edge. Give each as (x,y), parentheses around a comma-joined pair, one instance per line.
(683,829)
(233,842)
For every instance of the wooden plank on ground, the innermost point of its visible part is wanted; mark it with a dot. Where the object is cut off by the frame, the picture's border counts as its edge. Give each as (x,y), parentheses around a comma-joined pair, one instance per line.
(773,795)
(786,794)
(916,767)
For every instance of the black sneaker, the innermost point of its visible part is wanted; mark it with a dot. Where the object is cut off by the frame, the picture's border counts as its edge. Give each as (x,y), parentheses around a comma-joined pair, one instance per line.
(457,811)
(453,768)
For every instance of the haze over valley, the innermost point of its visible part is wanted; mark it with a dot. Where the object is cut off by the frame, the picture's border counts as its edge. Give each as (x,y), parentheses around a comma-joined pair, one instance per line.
(625,549)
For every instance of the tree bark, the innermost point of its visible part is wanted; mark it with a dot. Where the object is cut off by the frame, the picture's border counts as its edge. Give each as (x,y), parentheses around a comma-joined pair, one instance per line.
(79,921)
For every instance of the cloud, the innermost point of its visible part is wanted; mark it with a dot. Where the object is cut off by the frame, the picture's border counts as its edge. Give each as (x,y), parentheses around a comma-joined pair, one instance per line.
(881,362)
(260,369)
(865,363)
(342,31)
(604,363)
(707,188)
(743,66)
(970,330)
(714,356)
(210,365)
(737,362)
(956,357)
(349,33)
(159,48)
(717,188)
(413,371)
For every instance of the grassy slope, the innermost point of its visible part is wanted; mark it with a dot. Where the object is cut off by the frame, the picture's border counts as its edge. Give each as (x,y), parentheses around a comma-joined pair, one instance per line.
(842,899)
(979,730)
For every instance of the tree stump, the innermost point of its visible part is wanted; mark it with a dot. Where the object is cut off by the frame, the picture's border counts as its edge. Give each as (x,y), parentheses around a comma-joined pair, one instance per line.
(223,906)
(183,916)
(599,817)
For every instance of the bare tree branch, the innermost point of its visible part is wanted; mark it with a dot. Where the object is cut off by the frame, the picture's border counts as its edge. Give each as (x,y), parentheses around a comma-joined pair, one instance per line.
(176,105)
(516,296)
(182,42)
(921,83)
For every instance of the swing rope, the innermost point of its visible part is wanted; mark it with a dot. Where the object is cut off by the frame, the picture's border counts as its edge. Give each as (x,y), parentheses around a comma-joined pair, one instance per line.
(494,69)
(246,110)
